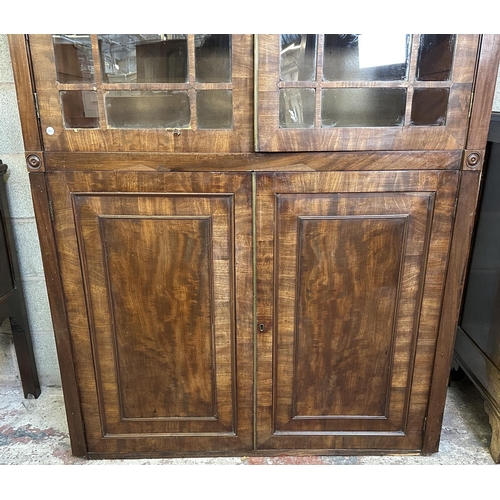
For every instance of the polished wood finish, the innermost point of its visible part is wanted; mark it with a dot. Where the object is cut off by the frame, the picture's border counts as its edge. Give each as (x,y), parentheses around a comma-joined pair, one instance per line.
(455,278)
(383,240)
(284,162)
(65,352)
(210,300)
(12,305)
(164,257)
(488,61)
(25,94)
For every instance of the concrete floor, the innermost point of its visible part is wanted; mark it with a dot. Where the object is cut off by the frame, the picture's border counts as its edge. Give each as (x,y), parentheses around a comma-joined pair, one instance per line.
(34,432)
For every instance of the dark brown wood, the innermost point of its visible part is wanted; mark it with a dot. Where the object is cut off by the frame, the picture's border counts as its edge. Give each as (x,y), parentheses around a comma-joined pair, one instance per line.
(484,92)
(344,326)
(486,377)
(285,162)
(25,99)
(346,262)
(65,354)
(12,304)
(455,277)
(164,257)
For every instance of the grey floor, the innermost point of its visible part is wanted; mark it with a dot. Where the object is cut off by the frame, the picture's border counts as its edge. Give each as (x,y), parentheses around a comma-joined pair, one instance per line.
(34,432)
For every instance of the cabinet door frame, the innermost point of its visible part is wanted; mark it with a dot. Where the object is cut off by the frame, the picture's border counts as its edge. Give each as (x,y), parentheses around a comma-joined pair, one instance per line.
(271,434)
(56,137)
(167,436)
(272,138)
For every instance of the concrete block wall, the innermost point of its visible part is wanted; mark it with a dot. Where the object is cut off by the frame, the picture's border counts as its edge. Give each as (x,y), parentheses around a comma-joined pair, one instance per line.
(28,247)
(26,239)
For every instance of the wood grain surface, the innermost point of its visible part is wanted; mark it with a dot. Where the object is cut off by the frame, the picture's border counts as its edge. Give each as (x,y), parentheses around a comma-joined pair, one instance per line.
(163,259)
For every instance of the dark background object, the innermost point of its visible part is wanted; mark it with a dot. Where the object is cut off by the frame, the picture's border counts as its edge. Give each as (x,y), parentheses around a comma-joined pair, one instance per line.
(12,304)
(477,348)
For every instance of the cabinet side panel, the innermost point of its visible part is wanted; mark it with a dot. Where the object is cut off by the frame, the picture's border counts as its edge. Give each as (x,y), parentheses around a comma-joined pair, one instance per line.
(24,89)
(455,278)
(58,310)
(484,92)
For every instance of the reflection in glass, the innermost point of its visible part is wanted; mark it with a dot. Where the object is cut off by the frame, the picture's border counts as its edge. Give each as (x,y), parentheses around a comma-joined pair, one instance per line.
(79,108)
(297,108)
(144,58)
(73,58)
(212,58)
(435,57)
(214,109)
(429,106)
(363,107)
(147,109)
(380,57)
(298,58)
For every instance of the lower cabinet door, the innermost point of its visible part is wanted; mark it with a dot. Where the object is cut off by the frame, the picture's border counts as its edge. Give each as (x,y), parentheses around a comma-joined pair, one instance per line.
(351,270)
(156,270)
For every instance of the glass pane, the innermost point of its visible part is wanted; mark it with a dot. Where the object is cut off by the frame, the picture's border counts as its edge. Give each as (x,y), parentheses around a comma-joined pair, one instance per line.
(212,58)
(214,109)
(73,57)
(147,109)
(429,106)
(363,107)
(297,108)
(380,57)
(79,108)
(144,58)
(298,58)
(435,57)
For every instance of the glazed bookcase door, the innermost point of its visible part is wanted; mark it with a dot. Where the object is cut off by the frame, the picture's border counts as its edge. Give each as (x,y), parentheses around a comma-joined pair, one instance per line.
(149,274)
(169,93)
(351,271)
(332,93)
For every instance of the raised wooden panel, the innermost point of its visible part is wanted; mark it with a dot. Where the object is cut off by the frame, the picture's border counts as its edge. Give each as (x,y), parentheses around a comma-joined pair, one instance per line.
(159,285)
(348,282)
(149,286)
(347,261)
(163,315)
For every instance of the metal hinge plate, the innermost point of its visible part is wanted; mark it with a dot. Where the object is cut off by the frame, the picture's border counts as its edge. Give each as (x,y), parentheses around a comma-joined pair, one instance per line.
(35,96)
(51,211)
(471,102)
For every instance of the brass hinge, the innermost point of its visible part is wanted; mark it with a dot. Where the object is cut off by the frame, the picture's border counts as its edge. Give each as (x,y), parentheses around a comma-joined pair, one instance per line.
(471,102)
(455,206)
(51,211)
(35,96)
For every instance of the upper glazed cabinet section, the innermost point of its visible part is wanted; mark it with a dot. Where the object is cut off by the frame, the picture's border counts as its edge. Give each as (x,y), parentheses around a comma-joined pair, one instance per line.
(195,93)
(364,92)
(132,92)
